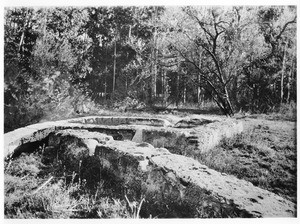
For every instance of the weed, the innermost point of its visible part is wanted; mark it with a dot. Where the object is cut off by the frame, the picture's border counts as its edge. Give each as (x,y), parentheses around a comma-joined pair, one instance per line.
(286,111)
(45,184)
(248,156)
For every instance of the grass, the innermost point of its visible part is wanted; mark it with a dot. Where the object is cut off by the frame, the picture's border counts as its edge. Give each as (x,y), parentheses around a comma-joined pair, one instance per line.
(260,157)
(34,189)
(264,154)
(286,111)
(283,112)
(52,184)
(39,185)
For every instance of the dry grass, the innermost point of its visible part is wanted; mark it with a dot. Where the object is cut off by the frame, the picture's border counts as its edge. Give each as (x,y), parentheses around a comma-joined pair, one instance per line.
(265,155)
(31,192)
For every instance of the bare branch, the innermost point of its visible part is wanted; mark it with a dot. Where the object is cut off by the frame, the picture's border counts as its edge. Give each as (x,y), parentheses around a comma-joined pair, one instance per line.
(285,26)
(43,185)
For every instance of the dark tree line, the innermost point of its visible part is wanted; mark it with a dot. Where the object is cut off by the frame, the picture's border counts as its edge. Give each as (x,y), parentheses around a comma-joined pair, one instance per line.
(58,58)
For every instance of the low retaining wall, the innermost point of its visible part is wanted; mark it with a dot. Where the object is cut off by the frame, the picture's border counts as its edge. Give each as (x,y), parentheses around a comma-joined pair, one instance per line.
(116,121)
(136,129)
(157,173)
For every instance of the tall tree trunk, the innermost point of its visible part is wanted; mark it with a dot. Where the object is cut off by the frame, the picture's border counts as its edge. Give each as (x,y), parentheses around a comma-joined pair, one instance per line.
(177,90)
(114,68)
(228,102)
(126,84)
(165,87)
(105,79)
(234,91)
(105,88)
(288,98)
(184,91)
(198,89)
(154,55)
(129,33)
(199,79)
(26,24)
(282,74)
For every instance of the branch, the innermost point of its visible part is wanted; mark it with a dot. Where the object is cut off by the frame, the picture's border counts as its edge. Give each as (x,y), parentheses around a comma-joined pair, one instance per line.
(43,185)
(203,28)
(285,26)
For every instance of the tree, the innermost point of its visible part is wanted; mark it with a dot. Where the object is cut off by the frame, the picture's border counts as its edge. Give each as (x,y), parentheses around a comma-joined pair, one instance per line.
(143,39)
(19,40)
(208,39)
(240,57)
(263,72)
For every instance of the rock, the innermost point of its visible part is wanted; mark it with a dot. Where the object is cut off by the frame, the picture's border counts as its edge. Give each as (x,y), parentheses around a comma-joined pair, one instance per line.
(138,136)
(31,133)
(186,174)
(160,176)
(192,122)
(157,131)
(254,200)
(115,121)
(91,144)
(89,139)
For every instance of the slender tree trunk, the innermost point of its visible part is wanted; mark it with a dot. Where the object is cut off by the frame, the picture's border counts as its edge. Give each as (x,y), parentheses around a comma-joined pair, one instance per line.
(154,76)
(288,98)
(282,74)
(288,88)
(177,90)
(165,87)
(199,80)
(44,29)
(114,68)
(26,23)
(198,89)
(129,32)
(234,91)
(228,102)
(105,78)
(184,92)
(154,54)
(126,84)
(162,82)
(21,41)
(225,99)
(105,88)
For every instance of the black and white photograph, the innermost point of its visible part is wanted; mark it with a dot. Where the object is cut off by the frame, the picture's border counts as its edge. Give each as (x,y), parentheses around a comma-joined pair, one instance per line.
(141,111)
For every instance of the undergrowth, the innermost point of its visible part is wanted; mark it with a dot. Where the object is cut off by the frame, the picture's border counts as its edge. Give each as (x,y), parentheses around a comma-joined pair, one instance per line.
(49,183)
(32,191)
(262,155)
(248,156)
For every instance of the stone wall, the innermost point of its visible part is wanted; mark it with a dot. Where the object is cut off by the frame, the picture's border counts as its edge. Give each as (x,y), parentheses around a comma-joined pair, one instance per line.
(139,169)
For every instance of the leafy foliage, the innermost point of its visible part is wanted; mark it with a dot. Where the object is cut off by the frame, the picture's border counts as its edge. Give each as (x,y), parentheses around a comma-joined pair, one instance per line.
(243,58)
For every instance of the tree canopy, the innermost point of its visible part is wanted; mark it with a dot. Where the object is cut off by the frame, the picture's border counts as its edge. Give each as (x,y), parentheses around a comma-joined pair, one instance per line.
(240,57)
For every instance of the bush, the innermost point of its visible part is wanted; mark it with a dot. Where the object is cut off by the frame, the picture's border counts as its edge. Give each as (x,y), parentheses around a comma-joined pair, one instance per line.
(127,104)
(21,114)
(31,192)
(288,111)
(249,156)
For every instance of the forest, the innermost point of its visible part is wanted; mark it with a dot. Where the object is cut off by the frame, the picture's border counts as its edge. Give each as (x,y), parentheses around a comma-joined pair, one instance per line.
(75,60)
